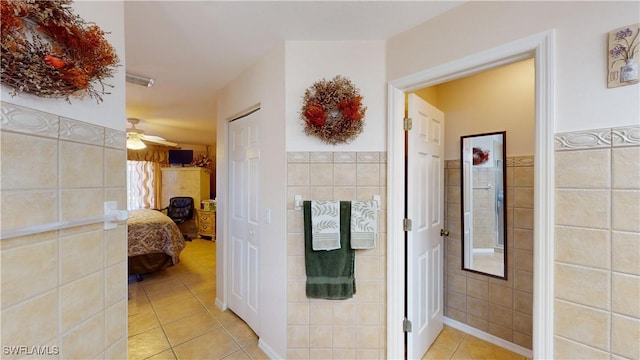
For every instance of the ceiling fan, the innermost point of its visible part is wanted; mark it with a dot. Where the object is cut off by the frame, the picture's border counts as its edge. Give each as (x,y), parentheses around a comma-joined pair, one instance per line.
(136,138)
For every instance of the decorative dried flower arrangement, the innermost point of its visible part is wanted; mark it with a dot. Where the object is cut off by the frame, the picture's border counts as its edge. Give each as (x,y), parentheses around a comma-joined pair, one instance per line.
(202,161)
(333,110)
(49,51)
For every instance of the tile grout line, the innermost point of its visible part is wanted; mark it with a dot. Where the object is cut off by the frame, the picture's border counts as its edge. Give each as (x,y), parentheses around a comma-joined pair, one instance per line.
(455,351)
(179,278)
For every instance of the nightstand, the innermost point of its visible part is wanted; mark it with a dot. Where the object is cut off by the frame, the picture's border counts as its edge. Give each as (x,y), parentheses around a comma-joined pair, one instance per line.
(206,224)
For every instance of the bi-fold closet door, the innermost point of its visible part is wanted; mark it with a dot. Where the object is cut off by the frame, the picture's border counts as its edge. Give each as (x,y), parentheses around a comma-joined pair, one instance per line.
(244,224)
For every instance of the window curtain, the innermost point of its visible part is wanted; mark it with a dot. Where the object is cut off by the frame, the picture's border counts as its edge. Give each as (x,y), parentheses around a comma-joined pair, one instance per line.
(140,185)
(144,177)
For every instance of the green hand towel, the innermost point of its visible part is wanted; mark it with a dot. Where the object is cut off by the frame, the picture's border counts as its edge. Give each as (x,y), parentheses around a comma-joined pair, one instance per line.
(330,274)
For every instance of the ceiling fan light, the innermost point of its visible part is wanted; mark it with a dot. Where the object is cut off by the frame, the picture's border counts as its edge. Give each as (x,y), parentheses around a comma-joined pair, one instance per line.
(134,143)
(140,80)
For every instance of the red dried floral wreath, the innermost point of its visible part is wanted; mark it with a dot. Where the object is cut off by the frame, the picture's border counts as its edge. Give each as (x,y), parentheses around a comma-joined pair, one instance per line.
(333,110)
(480,156)
(49,51)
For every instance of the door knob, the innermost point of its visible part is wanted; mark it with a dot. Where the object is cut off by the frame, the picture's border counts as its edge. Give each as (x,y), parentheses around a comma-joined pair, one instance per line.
(444,232)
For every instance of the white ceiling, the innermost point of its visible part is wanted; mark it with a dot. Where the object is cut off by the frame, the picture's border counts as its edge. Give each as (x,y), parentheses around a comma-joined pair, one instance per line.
(194,48)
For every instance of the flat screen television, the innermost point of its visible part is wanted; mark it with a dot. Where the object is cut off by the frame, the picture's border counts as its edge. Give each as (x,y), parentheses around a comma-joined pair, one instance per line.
(180,156)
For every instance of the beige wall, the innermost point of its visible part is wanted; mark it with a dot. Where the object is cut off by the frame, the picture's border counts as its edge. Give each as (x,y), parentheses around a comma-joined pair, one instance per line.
(263,84)
(360,61)
(62,288)
(597,247)
(500,99)
(499,307)
(583,100)
(336,329)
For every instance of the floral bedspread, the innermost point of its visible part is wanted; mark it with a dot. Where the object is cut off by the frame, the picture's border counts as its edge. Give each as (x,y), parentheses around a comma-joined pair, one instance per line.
(151,231)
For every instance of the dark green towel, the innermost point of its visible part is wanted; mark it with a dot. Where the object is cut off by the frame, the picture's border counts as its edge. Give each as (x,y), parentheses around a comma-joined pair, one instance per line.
(330,274)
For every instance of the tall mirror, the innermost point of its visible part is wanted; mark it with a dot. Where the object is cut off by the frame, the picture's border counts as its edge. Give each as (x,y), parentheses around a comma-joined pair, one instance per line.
(483,201)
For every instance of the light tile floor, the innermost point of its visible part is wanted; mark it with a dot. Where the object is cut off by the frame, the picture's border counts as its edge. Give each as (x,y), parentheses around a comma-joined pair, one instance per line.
(455,344)
(172,313)
(172,316)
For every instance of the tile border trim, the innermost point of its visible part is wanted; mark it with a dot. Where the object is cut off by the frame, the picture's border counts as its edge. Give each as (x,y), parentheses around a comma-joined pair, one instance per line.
(512,161)
(318,157)
(598,138)
(24,120)
(625,136)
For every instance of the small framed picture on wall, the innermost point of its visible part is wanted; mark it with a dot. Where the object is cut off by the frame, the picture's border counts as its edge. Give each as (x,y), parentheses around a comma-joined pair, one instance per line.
(623,56)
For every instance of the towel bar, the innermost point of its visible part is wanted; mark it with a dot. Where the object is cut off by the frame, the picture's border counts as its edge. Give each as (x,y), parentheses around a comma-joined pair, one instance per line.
(488,187)
(110,218)
(297,202)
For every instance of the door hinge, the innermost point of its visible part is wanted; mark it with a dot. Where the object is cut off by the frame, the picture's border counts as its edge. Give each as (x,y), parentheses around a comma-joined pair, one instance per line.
(444,232)
(406,325)
(406,224)
(408,124)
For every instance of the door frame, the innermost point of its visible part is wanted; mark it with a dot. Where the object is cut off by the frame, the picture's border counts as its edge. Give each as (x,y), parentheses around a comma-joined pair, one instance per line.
(540,46)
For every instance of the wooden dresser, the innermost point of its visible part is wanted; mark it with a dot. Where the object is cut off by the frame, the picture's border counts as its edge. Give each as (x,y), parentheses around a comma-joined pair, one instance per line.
(206,224)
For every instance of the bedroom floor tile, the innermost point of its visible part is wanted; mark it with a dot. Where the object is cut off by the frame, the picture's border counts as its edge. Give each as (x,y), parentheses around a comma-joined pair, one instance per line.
(172,314)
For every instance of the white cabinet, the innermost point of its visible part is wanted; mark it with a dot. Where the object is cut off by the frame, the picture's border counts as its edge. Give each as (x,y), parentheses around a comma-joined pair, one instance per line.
(185,181)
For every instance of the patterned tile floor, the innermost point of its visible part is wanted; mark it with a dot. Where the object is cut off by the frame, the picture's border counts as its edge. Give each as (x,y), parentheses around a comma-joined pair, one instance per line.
(172,313)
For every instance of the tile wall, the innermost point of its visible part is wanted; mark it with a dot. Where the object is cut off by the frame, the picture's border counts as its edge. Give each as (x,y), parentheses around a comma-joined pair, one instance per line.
(336,329)
(495,306)
(65,290)
(597,244)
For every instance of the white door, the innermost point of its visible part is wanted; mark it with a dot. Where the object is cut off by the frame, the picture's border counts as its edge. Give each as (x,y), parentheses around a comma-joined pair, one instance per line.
(244,247)
(425,189)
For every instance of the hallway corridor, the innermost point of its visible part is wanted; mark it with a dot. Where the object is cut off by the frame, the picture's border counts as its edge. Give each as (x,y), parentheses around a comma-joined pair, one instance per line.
(172,313)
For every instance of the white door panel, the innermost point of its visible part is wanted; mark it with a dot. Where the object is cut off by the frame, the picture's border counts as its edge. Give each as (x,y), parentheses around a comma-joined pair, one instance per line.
(425,186)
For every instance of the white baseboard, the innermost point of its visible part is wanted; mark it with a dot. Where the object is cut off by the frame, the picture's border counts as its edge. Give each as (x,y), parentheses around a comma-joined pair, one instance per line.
(489,338)
(222,306)
(268,350)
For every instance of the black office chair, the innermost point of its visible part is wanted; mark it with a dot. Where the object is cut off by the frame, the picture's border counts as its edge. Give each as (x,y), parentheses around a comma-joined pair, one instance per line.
(180,209)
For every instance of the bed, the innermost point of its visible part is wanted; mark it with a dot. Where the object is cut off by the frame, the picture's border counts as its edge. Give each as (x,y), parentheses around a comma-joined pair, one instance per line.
(155,242)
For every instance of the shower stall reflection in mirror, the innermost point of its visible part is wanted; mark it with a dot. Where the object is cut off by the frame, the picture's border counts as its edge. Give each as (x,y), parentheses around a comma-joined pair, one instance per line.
(483,200)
